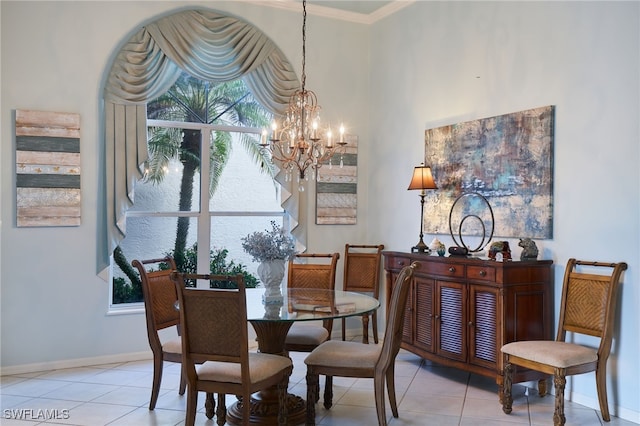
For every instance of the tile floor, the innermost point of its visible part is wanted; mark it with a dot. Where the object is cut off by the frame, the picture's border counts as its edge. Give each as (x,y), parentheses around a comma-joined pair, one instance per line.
(428,394)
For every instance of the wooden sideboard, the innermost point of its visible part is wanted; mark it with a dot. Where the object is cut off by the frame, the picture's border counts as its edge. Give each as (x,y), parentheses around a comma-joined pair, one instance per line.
(461,310)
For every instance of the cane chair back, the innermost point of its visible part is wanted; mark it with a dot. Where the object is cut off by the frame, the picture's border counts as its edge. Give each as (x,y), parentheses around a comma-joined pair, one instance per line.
(159,295)
(353,359)
(588,307)
(214,333)
(362,274)
(311,271)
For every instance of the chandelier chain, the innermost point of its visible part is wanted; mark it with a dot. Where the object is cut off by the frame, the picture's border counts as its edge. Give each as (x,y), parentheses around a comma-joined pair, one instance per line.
(304,42)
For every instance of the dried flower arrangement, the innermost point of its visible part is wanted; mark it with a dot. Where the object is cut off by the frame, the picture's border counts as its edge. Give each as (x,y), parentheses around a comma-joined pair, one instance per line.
(270,244)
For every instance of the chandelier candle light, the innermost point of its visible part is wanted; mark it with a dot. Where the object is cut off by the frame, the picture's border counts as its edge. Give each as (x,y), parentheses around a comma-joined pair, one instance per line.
(300,141)
(422,179)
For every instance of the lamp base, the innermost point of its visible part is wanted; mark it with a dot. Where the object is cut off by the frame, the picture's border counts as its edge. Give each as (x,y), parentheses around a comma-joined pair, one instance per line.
(421,247)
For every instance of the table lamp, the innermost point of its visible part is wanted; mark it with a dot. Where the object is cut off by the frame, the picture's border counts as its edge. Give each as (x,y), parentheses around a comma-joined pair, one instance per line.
(422,179)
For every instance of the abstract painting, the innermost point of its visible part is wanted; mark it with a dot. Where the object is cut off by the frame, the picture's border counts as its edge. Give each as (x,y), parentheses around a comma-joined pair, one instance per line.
(47,168)
(337,187)
(507,160)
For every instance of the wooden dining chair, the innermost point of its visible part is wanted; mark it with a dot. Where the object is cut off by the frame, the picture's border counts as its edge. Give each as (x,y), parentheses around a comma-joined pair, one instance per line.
(159,295)
(588,307)
(354,359)
(310,271)
(362,274)
(214,333)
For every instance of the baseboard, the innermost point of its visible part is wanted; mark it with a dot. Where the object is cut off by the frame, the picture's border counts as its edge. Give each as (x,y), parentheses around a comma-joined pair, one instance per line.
(74,363)
(619,412)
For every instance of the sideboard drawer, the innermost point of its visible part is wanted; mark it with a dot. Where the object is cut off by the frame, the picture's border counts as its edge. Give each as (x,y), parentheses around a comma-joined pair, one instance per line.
(400,262)
(484,273)
(446,269)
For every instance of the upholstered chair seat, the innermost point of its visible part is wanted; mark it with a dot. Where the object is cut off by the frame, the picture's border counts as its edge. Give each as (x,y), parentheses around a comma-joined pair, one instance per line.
(301,335)
(555,354)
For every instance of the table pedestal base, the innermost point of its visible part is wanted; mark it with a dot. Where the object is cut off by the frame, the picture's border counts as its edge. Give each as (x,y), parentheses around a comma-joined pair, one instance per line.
(264,410)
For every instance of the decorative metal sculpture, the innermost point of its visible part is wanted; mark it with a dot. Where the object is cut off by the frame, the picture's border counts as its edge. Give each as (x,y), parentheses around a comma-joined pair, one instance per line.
(485,240)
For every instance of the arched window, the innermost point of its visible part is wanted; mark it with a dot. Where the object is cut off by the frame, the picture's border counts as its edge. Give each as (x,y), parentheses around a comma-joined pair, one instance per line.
(208,46)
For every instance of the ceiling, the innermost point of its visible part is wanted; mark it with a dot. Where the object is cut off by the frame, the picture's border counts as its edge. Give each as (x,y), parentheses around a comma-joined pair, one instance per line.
(361,11)
(365,7)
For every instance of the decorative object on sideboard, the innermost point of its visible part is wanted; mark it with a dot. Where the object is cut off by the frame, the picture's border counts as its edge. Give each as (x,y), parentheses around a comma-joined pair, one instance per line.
(529,249)
(438,246)
(300,142)
(422,179)
(467,207)
(458,251)
(500,247)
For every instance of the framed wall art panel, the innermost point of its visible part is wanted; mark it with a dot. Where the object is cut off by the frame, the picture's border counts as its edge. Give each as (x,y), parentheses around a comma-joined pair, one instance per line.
(508,159)
(47,169)
(337,187)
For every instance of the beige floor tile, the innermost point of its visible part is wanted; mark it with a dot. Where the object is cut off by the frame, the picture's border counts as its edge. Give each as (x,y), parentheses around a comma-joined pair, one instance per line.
(428,394)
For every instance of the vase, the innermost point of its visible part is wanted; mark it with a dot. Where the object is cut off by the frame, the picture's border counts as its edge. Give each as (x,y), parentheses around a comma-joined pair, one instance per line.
(271,273)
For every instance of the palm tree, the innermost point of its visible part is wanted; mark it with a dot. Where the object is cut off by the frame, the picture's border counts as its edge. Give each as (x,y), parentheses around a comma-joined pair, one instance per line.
(193,100)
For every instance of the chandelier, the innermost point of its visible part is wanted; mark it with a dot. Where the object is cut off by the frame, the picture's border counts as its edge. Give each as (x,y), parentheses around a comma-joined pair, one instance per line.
(300,142)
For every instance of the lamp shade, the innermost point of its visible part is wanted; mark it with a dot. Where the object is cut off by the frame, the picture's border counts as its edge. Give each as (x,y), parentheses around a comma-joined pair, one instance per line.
(422,178)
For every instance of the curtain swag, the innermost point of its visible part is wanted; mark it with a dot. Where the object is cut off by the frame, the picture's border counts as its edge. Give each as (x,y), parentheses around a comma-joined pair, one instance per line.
(208,46)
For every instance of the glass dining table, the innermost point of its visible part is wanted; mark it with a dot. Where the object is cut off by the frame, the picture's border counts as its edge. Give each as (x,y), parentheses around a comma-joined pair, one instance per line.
(271,323)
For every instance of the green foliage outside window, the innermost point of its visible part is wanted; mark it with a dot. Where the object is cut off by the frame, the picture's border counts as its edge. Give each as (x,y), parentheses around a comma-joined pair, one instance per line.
(131,292)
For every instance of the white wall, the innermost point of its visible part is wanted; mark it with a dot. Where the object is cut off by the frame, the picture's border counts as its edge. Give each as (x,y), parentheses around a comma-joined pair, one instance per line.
(389,82)
(466,60)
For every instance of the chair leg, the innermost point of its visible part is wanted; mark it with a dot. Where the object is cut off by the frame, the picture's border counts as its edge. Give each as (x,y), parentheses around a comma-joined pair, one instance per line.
(391,389)
(246,407)
(328,392)
(312,397)
(157,379)
(344,329)
(378,390)
(601,386)
(374,326)
(183,383)
(221,412)
(209,405)
(192,403)
(559,381)
(507,397)
(365,329)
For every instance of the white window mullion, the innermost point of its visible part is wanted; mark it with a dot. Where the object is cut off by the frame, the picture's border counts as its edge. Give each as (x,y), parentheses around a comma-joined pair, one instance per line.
(204,222)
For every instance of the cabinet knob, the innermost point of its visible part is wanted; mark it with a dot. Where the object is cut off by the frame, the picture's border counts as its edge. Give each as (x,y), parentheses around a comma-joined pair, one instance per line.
(452,269)
(483,273)
(471,324)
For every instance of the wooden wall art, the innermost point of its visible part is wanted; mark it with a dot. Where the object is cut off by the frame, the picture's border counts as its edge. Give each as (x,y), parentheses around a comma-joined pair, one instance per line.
(337,187)
(47,168)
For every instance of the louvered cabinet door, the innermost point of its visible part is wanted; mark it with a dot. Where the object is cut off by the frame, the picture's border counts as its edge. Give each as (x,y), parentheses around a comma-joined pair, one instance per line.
(424,317)
(483,314)
(451,320)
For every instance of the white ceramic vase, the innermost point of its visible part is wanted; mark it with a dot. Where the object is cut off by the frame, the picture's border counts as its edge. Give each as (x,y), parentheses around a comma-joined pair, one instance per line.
(271,273)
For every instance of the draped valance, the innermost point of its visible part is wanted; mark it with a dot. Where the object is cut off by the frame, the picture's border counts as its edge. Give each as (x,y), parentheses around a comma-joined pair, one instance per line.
(208,46)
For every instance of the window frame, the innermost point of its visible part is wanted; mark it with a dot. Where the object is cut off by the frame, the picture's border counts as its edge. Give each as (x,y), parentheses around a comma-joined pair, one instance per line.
(203,215)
